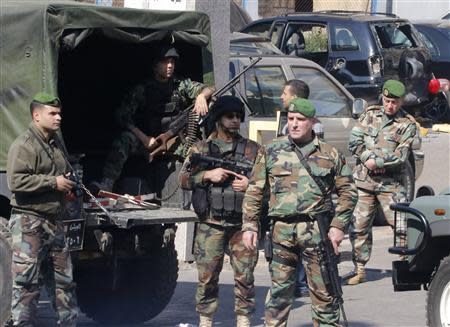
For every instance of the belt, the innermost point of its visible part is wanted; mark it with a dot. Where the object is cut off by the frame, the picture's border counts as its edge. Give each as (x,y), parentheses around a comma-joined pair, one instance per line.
(302,218)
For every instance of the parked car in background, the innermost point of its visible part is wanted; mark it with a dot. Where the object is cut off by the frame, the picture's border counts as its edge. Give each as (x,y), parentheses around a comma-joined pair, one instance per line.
(337,109)
(436,37)
(360,50)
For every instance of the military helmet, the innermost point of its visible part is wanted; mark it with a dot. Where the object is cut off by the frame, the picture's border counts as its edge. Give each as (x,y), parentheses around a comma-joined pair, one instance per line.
(167,51)
(224,104)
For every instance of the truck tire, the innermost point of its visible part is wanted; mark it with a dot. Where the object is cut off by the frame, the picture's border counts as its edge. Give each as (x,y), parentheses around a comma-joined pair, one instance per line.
(144,289)
(5,272)
(438,299)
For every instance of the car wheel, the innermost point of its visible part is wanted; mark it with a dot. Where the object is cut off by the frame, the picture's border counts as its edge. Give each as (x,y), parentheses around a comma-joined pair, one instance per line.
(438,299)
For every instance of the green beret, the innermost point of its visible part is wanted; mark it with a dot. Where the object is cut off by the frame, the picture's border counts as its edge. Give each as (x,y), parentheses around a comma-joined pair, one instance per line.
(303,106)
(47,99)
(393,89)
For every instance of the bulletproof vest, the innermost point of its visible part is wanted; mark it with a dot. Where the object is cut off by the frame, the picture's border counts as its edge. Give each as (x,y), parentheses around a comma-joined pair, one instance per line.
(162,104)
(224,201)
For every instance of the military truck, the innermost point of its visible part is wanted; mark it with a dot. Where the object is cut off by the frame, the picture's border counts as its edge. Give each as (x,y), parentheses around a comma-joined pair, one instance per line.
(427,263)
(126,270)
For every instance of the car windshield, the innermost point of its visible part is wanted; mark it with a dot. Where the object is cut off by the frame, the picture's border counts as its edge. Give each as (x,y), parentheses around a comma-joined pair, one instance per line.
(394,35)
(328,99)
(254,48)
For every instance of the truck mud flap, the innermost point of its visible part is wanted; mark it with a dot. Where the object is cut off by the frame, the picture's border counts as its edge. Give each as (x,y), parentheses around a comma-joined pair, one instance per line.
(405,280)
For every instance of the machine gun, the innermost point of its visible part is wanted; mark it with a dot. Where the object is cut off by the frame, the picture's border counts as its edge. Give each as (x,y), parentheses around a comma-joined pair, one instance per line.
(329,266)
(206,162)
(126,198)
(187,116)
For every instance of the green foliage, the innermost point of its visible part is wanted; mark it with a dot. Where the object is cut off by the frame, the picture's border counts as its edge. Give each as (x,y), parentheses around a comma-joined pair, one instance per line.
(316,40)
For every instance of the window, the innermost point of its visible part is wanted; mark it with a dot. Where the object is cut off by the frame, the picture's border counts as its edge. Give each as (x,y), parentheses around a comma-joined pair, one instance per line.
(344,40)
(261,29)
(263,87)
(429,44)
(328,99)
(306,38)
(395,35)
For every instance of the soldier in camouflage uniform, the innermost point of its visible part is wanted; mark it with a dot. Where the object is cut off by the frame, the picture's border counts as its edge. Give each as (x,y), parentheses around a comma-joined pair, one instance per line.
(36,177)
(381,143)
(295,200)
(148,110)
(219,230)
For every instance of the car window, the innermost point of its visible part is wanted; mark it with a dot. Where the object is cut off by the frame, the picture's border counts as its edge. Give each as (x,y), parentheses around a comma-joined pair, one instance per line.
(344,40)
(276,32)
(328,99)
(261,29)
(312,38)
(429,44)
(263,87)
(394,35)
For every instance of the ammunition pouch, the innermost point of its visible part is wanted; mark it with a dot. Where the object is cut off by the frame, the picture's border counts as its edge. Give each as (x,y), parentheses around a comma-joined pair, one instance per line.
(200,202)
(226,203)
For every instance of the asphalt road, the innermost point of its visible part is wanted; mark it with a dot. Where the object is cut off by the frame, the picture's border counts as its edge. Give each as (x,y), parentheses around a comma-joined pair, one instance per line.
(373,303)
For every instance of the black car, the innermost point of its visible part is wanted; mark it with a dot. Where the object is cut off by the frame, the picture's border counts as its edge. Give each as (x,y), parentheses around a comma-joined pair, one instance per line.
(436,37)
(361,51)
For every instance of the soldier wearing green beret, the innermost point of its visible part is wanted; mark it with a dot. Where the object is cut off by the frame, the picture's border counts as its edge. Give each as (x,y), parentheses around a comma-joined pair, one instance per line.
(381,143)
(296,201)
(148,111)
(36,175)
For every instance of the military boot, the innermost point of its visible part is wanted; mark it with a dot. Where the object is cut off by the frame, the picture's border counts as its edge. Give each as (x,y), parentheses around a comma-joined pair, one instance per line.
(360,276)
(205,321)
(242,321)
(105,185)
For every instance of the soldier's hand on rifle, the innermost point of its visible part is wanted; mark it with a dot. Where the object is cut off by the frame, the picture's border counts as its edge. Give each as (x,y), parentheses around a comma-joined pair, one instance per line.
(218,175)
(250,240)
(63,184)
(151,141)
(240,184)
(336,236)
(201,105)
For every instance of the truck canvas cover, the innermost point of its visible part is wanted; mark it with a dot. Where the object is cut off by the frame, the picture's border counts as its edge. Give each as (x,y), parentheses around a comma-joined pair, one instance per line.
(34,36)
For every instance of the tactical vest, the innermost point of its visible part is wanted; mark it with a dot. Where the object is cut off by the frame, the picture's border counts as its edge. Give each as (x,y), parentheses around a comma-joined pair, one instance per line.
(222,201)
(163,103)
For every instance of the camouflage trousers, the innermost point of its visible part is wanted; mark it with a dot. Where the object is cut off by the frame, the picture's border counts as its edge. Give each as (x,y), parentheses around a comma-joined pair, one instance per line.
(364,214)
(289,241)
(211,244)
(40,257)
(124,145)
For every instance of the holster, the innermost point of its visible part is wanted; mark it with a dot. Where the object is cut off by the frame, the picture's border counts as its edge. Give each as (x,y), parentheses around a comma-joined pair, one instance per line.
(268,246)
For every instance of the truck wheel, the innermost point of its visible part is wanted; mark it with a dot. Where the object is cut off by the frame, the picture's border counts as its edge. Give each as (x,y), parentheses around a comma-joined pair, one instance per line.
(5,272)
(143,290)
(438,300)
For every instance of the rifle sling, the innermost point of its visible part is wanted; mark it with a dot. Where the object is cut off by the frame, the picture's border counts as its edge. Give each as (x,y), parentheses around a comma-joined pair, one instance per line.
(320,183)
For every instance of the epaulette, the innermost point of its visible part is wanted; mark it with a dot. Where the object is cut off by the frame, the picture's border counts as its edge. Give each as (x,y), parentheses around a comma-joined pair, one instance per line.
(367,110)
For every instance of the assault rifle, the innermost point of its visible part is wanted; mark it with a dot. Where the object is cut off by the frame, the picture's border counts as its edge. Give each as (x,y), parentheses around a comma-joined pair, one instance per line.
(329,266)
(160,145)
(206,162)
(136,200)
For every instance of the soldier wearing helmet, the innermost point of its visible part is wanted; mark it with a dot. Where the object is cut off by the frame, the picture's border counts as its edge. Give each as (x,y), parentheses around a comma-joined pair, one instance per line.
(148,110)
(215,191)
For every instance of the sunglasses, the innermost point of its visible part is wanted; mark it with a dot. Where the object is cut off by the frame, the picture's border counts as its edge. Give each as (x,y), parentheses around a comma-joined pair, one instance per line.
(231,115)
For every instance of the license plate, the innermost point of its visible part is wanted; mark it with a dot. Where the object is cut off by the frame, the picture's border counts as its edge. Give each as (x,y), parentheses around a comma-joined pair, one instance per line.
(74,230)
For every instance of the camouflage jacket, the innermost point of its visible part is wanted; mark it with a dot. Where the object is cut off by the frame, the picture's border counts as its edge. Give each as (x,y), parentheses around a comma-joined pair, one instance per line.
(383,138)
(31,174)
(144,105)
(292,190)
(191,177)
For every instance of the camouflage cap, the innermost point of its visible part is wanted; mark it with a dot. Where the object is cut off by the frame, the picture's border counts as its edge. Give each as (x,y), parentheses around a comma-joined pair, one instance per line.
(47,99)
(302,106)
(393,89)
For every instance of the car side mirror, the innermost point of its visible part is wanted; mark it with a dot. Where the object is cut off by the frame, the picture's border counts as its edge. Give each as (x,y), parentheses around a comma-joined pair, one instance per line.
(359,105)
